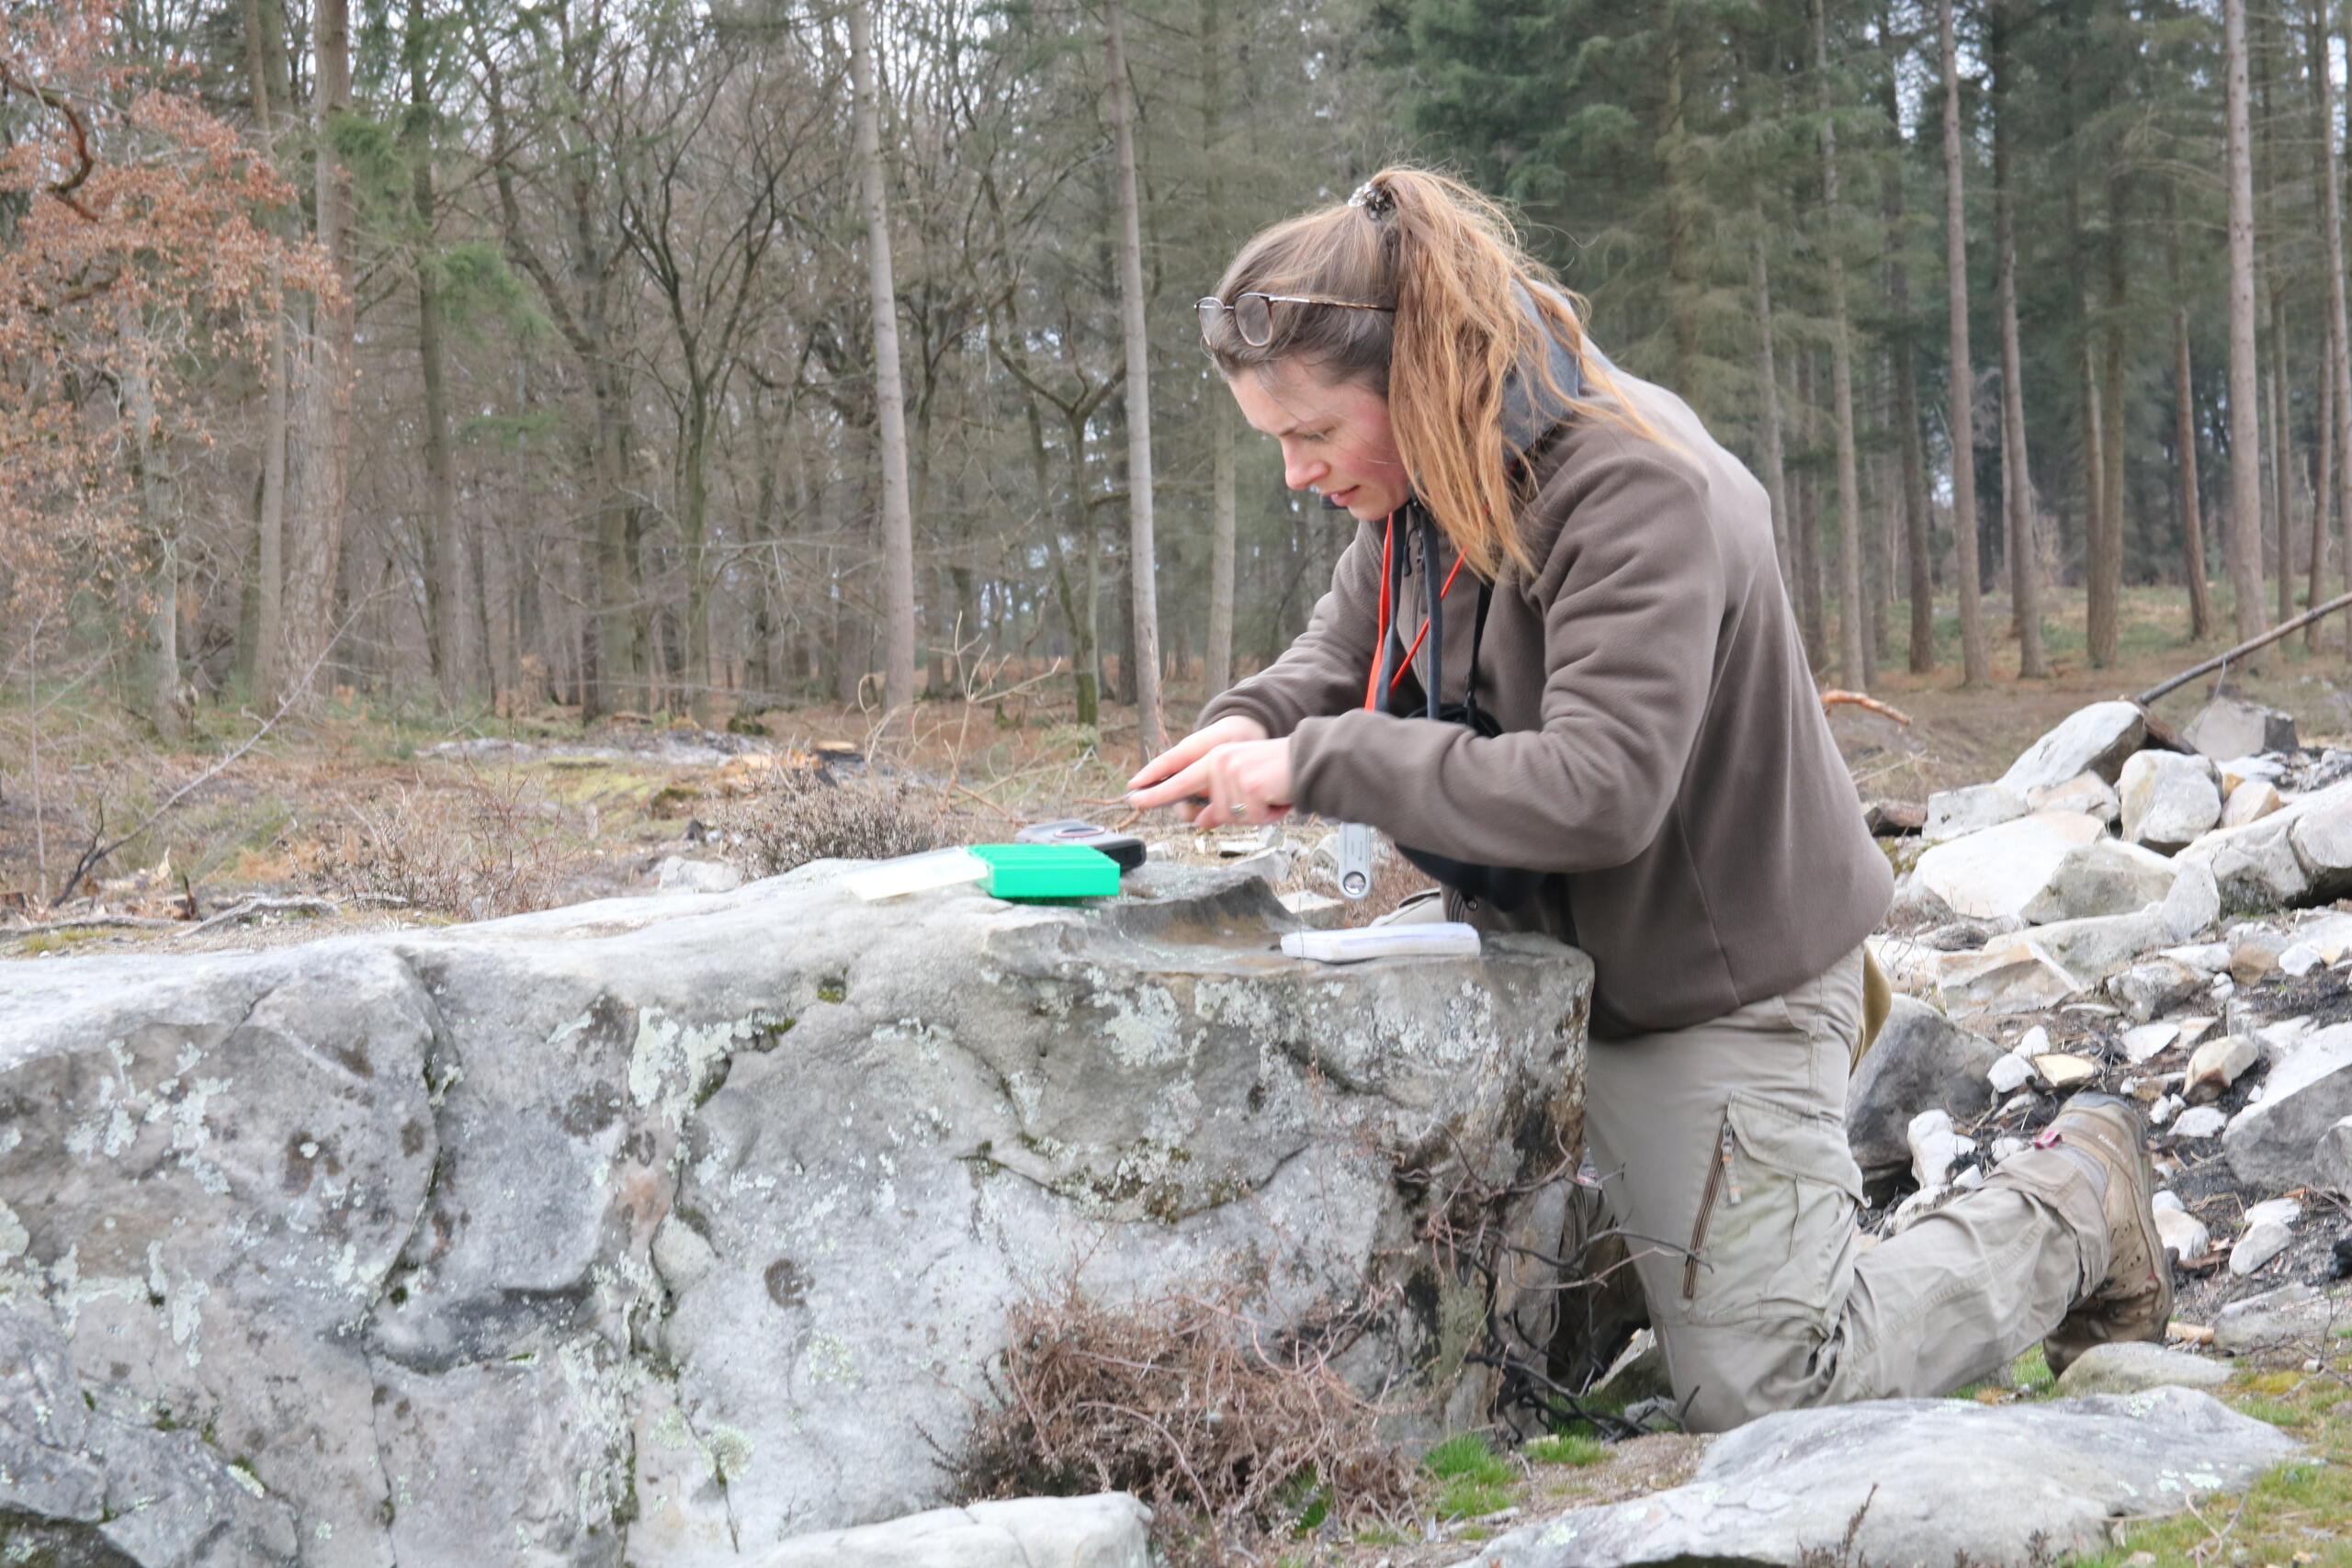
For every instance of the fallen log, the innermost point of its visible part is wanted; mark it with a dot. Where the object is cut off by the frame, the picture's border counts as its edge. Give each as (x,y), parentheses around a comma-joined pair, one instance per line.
(2341,601)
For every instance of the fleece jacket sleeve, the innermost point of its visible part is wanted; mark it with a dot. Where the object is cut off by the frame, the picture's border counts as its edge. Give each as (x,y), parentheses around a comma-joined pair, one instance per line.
(1326,669)
(1631,592)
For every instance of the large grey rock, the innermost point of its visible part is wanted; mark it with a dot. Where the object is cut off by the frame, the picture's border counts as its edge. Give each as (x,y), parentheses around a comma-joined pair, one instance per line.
(2013,977)
(2274,1143)
(2332,1156)
(2128,1366)
(2094,739)
(2292,1317)
(1931,1479)
(1998,870)
(2229,728)
(679,874)
(1953,812)
(2168,799)
(2086,792)
(2194,900)
(2256,865)
(2090,950)
(660,1229)
(2155,985)
(2321,837)
(2106,877)
(1110,1529)
(1923,1061)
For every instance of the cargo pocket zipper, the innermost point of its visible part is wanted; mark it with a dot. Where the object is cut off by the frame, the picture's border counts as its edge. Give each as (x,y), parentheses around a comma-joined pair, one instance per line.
(1723,1179)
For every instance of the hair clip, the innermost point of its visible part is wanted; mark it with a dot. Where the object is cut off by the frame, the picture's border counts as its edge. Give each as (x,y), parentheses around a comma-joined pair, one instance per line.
(1373,199)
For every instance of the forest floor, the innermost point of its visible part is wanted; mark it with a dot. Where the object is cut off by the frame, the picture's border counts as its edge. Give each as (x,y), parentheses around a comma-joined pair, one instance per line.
(465,814)
(457,816)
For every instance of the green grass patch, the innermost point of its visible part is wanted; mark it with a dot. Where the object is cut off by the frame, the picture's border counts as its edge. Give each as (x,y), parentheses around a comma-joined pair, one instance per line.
(1474,1480)
(1573,1449)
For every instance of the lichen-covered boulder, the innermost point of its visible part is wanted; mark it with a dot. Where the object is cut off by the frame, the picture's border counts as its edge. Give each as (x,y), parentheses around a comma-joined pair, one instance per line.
(658,1230)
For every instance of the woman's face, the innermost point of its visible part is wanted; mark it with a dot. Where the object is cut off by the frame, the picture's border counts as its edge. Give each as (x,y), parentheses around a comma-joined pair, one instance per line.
(1335,435)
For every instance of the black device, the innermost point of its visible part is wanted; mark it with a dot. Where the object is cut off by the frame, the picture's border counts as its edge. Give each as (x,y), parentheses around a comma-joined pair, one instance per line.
(1125,848)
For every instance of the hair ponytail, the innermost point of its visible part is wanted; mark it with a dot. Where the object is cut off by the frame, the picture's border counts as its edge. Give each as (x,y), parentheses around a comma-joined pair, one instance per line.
(1447,258)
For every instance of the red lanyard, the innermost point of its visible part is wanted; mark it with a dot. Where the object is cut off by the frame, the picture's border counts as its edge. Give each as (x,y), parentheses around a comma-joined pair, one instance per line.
(1387,614)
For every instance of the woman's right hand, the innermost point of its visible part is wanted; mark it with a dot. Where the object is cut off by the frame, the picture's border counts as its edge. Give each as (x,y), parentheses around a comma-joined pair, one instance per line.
(1225,732)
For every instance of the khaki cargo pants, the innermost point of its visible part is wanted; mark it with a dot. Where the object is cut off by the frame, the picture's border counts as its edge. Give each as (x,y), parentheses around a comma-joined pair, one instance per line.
(1722,1150)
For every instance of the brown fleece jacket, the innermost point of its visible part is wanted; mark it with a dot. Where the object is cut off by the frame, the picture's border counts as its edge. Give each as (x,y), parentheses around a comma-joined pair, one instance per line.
(1663,749)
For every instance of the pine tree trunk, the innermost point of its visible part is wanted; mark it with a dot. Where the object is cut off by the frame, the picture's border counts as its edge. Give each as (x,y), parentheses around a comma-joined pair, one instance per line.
(443,586)
(261,658)
(1143,650)
(2017,468)
(2192,514)
(2245,433)
(1976,667)
(2282,469)
(889,389)
(2104,567)
(1776,482)
(314,551)
(2339,337)
(1218,658)
(1912,510)
(1804,528)
(1853,645)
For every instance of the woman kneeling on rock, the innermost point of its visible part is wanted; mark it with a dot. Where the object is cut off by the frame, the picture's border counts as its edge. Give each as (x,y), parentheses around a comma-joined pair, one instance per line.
(1615,738)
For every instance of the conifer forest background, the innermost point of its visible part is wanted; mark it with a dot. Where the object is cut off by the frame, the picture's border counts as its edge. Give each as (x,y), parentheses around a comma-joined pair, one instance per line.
(640,356)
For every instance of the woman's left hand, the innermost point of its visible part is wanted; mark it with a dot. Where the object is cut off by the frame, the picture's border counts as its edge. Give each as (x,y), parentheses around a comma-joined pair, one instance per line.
(1244,781)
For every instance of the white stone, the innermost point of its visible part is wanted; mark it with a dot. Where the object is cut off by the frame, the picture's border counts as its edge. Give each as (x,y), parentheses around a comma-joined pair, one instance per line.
(1998,870)
(2192,1030)
(2105,876)
(2183,1233)
(1317,911)
(2020,980)
(2148,1039)
(2203,1121)
(2033,1041)
(2321,837)
(2250,801)
(2167,1197)
(679,874)
(2090,948)
(2061,1071)
(1954,812)
(2216,1065)
(2093,740)
(2257,1246)
(2006,1145)
(2233,729)
(2086,792)
(2282,1210)
(2028,1481)
(2332,1157)
(2008,1073)
(2274,1145)
(2212,957)
(2164,1110)
(2301,959)
(1934,1147)
(1110,1529)
(2193,902)
(2168,799)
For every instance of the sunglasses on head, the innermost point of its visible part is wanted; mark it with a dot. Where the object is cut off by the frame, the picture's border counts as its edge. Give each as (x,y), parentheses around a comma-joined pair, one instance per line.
(1253,313)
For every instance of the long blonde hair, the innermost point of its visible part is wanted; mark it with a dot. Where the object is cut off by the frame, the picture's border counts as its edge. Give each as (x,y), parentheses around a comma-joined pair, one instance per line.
(1449,261)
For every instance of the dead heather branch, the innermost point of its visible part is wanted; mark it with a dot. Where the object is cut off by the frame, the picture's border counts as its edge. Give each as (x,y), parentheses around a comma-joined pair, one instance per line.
(798,815)
(489,846)
(1230,1436)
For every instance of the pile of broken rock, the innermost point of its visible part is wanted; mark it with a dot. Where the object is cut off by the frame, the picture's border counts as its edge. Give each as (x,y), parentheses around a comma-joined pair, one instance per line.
(2150,913)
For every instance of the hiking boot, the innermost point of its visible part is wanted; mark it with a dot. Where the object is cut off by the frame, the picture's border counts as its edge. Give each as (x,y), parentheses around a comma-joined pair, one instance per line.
(2134,1300)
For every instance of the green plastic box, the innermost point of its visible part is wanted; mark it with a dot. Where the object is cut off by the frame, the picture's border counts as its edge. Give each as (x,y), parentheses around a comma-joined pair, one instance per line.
(1048,870)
